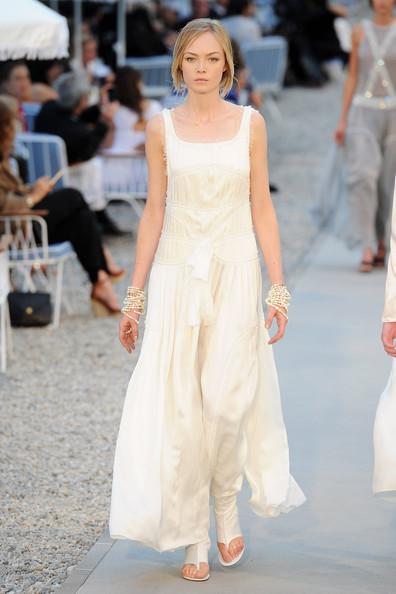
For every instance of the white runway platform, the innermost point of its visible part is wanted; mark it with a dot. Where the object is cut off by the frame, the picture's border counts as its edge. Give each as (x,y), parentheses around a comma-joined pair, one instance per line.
(343,540)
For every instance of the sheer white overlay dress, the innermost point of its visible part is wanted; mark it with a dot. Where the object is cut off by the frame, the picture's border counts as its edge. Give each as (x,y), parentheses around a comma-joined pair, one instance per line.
(203,407)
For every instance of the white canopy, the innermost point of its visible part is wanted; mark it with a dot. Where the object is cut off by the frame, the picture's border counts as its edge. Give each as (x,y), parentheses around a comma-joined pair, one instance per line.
(29,29)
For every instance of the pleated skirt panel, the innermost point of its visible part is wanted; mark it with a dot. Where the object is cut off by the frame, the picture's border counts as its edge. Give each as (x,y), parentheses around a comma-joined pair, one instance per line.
(202,409)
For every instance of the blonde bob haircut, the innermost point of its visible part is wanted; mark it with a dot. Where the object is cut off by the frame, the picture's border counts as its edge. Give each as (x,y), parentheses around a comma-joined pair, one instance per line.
(187,35)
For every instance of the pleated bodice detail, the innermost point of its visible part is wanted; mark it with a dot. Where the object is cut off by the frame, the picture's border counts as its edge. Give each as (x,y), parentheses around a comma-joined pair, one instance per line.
(207,203)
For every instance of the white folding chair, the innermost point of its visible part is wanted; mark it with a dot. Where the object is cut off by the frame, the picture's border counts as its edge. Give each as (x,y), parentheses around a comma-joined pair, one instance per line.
(125,178)
(46,155)
(29,253)
(266,60)
(5,325)
(156,74)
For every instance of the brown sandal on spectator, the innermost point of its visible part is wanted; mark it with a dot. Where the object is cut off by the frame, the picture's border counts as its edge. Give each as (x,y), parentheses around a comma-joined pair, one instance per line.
(104,302)
(102,309)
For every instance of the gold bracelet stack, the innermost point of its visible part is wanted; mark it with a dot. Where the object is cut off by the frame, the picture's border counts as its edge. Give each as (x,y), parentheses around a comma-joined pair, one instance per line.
(279,298)
(134,302)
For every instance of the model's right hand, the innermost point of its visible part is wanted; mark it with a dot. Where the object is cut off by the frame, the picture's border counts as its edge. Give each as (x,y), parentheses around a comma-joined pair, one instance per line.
(128,333)
(281,322)
(389,337)
(339,134)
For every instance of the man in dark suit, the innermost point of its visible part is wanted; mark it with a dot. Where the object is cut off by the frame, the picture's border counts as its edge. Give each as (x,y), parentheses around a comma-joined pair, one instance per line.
(84,130)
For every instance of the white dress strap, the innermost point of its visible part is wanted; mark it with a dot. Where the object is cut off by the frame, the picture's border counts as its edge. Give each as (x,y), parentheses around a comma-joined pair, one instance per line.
(168,131)
(244,133)
(245,122)
(168,126)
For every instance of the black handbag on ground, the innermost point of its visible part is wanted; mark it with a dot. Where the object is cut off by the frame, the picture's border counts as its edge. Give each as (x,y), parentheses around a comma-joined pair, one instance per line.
(30,309)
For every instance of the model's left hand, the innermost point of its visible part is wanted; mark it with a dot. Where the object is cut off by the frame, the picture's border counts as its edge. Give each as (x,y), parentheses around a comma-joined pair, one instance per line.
(281,323)
(389,337)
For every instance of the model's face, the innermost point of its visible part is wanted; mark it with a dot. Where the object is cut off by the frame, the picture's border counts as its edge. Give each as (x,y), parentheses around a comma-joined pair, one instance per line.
(19,84)
(383,7)
(203,64)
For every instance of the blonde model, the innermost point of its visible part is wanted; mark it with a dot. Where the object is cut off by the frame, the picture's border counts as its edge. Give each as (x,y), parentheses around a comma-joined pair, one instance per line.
(367,126)
(203,406)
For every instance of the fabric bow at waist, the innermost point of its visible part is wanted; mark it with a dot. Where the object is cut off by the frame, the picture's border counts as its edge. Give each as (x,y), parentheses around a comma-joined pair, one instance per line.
(201,306)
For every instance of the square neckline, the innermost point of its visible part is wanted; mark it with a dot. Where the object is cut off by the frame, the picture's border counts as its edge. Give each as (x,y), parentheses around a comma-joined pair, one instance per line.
(206,142)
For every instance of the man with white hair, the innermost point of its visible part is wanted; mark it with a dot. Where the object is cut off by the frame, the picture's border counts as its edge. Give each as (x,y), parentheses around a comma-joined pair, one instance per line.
(84,130)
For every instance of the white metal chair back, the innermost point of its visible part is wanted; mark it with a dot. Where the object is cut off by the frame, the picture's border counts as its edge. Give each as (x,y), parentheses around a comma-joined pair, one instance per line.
(46,155)
(156,74)
(26,245)
(28,252)
(125,178)
(266,59)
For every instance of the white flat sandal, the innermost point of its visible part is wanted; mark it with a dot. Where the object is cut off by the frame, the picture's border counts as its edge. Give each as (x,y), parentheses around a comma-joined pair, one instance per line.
(227,525)
(195,555)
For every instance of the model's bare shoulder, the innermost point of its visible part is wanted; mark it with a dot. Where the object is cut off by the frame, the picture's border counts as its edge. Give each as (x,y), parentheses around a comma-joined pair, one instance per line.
(155,131)
(257,120)
(155,125)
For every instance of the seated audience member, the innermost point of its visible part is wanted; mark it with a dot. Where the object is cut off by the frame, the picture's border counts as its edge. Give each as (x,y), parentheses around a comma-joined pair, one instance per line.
(15,81)
(99,75)
(133,113)
(143,38)
(85,130)
(220,8)
(68,219)
(102,26)
(47,71)
(200,9)
(308,26)
(240,22)
(168,14)
(92,63)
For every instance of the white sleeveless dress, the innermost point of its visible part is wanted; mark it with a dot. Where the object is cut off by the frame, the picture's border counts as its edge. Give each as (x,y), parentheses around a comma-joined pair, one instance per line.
(203,407)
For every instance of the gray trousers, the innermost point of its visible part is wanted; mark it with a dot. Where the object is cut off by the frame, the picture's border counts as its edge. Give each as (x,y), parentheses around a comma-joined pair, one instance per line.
(371,168)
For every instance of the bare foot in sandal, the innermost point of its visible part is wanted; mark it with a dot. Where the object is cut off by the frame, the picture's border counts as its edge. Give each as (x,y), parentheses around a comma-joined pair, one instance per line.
(234,549)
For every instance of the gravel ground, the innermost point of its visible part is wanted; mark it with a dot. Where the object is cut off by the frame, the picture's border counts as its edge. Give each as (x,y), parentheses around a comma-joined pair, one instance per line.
(62,397)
